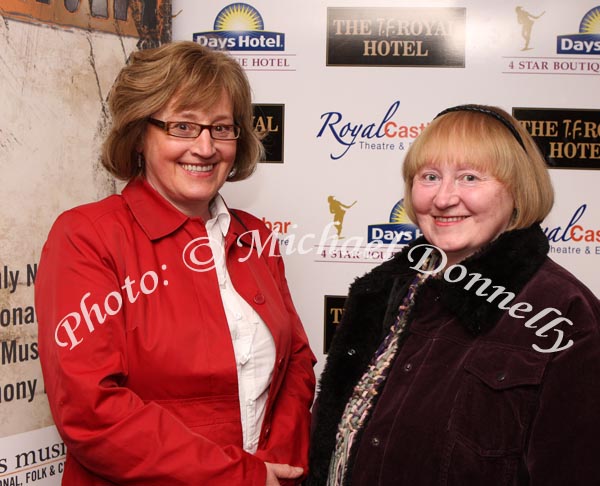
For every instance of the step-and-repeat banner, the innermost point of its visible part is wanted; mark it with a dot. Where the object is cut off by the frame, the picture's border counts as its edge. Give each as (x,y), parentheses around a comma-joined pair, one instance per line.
(58,60)
(342,88)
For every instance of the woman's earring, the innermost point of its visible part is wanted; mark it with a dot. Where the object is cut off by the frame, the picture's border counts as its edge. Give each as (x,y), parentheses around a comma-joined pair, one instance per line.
(231,174)
(140,160)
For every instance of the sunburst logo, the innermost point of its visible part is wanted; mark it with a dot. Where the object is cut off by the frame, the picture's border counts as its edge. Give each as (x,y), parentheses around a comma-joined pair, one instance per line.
(239,17)
(240,27)
(587,41)
(398,214)
(590,24)
(399,231)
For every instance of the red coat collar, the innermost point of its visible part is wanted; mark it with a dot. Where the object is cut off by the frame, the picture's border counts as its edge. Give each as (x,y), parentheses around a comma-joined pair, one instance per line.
(157,216)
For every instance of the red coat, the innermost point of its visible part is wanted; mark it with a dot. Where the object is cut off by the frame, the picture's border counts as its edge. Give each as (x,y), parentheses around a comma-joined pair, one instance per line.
(144,389)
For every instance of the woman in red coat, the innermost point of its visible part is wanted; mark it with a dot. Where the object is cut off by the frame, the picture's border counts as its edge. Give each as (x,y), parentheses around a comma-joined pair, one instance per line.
(171,350)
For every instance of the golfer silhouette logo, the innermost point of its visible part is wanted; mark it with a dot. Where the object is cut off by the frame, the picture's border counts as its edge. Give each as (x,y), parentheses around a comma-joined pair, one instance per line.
(339,211)
(526,20)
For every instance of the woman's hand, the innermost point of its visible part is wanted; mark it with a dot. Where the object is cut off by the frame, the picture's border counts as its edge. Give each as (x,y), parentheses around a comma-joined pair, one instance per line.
(281,471)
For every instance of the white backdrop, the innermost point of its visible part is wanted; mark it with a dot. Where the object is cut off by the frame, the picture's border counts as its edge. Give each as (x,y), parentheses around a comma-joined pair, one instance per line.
(54,85)
(311,91)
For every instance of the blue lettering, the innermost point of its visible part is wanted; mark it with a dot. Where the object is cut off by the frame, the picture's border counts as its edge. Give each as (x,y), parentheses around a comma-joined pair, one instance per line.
(347,134)
(388,116)
(553,234)
(367,131)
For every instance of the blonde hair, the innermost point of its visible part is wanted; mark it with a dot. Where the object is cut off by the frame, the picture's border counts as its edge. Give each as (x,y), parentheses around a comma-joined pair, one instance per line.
(473,135)
(190,76)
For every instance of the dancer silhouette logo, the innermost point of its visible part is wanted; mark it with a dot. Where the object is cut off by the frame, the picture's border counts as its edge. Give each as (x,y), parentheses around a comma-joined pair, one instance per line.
(526,20)
(338,210)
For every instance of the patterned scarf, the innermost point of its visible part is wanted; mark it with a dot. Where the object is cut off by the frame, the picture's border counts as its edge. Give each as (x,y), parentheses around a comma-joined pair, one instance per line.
(368,387)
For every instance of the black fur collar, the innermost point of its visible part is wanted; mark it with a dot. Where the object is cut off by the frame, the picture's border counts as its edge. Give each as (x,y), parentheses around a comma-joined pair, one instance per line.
(509,262)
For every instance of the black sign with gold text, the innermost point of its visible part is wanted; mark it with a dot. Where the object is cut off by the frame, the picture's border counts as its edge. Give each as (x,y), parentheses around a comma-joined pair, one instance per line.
(568,138)
(269,120)
(370,36)
(334,308)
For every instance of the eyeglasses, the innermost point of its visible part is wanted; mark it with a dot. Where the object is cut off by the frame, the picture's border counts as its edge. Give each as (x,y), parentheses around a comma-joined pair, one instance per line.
(182,129)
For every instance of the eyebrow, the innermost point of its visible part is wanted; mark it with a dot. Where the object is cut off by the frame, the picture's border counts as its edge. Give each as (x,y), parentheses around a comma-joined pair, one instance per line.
(190,116)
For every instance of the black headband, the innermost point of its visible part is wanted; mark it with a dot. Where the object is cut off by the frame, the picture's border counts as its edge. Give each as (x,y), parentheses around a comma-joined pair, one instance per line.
(486,111)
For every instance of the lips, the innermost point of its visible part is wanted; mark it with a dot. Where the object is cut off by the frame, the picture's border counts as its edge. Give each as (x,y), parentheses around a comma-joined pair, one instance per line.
(198,167)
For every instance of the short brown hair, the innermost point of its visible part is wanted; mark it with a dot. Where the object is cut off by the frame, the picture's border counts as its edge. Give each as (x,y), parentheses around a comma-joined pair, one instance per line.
(481,140)
(193,76)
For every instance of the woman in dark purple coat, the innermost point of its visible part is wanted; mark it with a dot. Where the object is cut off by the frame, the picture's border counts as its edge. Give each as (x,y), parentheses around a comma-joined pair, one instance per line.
(470,358)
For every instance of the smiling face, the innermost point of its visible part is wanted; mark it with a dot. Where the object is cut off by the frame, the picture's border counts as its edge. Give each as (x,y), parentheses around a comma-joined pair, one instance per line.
(189,172)
(459,208)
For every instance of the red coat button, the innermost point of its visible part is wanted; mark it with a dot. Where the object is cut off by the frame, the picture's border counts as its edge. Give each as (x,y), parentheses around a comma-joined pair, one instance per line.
(259,298)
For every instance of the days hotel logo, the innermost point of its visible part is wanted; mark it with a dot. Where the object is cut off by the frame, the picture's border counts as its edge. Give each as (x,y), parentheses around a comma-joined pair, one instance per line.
(383,241)
(570,47)
(587,41)
(400,229)
(239,28)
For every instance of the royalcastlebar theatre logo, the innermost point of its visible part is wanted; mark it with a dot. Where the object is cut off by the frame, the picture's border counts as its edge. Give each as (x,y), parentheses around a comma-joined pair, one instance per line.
(283,231)
(239,28)
(568,138)
(577,236)
(371,36)
(382,132)
(587,41)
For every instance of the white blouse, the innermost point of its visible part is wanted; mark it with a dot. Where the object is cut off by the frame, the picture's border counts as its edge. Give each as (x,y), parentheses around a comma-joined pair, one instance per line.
(252,341)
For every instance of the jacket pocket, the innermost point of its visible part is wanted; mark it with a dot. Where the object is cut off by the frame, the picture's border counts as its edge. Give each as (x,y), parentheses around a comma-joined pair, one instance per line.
(493,411)
(216,418)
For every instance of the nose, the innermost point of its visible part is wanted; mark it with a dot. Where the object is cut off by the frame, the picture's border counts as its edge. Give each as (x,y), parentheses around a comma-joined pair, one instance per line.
(447,194)
(203,145)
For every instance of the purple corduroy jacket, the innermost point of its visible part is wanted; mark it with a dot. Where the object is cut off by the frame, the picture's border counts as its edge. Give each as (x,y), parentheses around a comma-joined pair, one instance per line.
(473,397)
